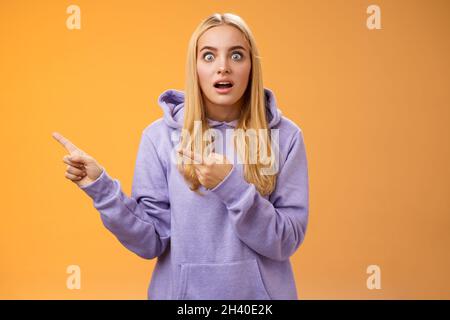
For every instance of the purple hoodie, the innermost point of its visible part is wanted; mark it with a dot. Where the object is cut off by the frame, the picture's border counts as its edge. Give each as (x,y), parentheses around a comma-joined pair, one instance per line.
(231,243)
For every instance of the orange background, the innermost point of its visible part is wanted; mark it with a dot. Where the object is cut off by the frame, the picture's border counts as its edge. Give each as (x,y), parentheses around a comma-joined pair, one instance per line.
(373,106)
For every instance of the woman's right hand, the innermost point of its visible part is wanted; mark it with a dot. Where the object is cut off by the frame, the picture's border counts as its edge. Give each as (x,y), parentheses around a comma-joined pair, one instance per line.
(82,169)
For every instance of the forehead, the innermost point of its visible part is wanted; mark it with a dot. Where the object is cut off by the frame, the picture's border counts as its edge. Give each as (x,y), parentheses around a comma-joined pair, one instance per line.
(222,37)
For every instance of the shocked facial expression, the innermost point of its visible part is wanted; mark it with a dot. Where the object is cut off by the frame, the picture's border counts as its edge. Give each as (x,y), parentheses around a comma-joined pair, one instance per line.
(223,65)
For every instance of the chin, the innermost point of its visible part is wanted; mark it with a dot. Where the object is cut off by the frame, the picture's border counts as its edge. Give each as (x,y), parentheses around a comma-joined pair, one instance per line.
(224,100)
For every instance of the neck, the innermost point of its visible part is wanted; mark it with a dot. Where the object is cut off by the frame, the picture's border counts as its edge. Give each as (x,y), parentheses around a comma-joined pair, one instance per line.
(222,113)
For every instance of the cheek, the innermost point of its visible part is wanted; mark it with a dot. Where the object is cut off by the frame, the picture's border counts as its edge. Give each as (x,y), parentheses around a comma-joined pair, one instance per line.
(202,73)
(243,73)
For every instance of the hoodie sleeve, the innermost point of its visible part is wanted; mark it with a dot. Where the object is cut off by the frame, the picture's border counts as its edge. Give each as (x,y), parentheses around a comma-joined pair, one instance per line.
(140,222)
(274,228)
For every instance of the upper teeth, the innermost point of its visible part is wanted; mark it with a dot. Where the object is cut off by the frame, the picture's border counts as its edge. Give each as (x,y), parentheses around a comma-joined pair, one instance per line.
(223,82)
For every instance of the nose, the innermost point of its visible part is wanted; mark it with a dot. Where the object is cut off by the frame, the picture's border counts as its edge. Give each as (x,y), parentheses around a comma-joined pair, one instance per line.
(223,70)
(223,67)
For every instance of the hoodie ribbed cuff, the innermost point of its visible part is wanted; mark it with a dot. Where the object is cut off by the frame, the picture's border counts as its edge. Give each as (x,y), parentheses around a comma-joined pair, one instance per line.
(232,188)
(101,188)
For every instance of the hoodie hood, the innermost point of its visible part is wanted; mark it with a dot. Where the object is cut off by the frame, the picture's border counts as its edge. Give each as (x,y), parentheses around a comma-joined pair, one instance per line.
(172,103)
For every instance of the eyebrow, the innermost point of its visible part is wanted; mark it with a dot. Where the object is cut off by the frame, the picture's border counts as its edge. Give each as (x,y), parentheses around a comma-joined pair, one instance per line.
(215,49)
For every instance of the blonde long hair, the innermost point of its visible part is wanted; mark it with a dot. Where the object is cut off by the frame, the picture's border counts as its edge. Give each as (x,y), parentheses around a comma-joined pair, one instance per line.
(253,112)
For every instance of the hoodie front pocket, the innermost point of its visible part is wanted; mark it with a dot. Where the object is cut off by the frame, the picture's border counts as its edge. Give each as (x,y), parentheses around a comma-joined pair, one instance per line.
(240,280)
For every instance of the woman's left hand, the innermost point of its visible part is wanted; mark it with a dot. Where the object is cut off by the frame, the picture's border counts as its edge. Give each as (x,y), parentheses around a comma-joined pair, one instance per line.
(212,170)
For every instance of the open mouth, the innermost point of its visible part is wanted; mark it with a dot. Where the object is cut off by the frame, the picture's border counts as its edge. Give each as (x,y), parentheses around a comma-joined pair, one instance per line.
(223,84)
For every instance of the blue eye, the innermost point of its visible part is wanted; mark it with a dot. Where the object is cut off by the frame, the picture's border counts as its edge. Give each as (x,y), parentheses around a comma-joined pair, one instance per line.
(207,54)
(237,56)
(237,53)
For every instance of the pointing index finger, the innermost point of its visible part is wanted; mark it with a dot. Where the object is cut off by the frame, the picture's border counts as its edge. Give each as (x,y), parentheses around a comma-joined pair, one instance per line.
(192,156)
(65,142)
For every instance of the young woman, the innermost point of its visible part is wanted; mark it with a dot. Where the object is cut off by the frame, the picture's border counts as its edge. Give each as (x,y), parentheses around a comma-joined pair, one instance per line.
(222,225)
